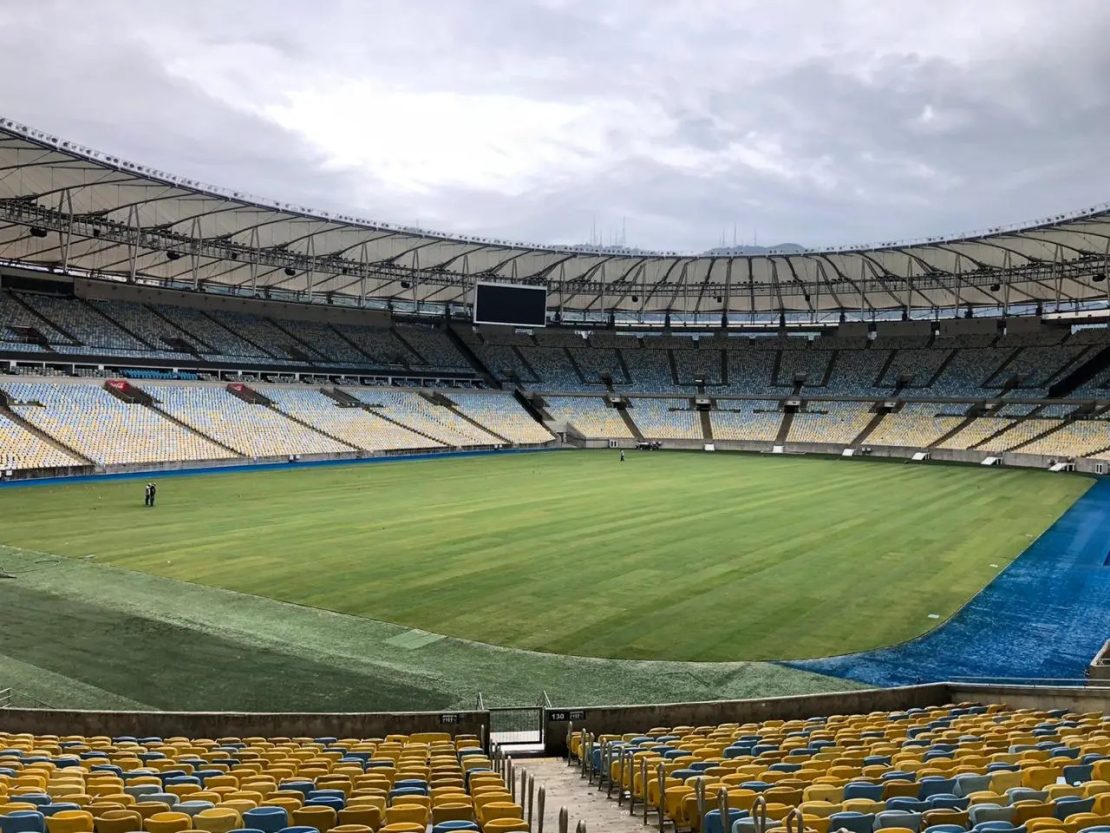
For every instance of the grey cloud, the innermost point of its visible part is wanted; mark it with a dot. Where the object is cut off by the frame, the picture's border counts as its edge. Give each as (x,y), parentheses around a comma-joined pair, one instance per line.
(881,137)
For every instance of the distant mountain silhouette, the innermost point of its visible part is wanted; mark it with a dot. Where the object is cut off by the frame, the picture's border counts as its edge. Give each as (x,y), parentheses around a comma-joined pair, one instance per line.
(783,249)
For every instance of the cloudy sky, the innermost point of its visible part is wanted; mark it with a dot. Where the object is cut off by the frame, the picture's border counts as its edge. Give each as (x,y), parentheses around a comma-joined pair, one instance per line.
(806,121)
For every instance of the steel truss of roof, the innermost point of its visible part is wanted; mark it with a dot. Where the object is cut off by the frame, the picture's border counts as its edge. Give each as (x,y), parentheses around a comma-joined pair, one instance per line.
(69,208)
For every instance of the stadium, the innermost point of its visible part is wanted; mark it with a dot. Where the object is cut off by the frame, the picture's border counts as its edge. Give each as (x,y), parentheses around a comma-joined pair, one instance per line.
(446,532)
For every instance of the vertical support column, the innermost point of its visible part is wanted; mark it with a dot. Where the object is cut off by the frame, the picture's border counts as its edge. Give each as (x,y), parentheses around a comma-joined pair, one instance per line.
(959,285)
(65,206)
(194,251)
(133,232)
(728,294)
(310,274)
(254,246)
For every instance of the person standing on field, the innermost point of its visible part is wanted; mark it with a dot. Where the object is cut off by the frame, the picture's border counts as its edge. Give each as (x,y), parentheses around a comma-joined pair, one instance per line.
(146,495)
(153,492)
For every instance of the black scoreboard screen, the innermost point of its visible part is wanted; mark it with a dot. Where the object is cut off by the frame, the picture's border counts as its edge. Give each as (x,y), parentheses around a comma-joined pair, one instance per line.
(512,304)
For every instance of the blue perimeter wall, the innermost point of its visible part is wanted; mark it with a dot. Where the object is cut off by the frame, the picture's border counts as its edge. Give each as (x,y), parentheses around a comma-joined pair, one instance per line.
(1045,616)
(239,469)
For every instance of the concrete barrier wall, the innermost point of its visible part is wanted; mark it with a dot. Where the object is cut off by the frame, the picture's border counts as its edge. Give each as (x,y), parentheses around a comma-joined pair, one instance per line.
(1080,699)
(621,719)
(229,724)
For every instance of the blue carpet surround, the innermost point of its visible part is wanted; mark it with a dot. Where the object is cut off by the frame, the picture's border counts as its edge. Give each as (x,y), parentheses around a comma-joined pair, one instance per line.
(1045,616)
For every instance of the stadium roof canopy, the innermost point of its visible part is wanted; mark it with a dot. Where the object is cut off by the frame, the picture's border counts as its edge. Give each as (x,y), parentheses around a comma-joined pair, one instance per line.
(69,208)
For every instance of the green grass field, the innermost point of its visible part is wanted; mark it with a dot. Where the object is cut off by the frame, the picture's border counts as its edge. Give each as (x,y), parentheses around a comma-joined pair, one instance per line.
(674,556)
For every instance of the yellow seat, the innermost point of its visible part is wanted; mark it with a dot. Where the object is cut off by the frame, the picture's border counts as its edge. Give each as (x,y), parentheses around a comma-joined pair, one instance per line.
(118,821)
(452,812)
(168,823)
(367,815)
(403,827)
(504,825)
(406,814)
(314,815)
(217,820)
(70,821)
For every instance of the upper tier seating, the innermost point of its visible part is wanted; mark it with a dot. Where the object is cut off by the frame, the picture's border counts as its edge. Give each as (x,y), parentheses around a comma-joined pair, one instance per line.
(944,769)
(590,415)
(114,785)
(699,364)
(21,450)
(502,414)
(147,325)
(752,371)
(553,366)
(856,373)
(595,362)
(261,331)
(14,314)
(434,346)
(215,339)
(87,418)
(813,364)
(353,425)
(651,371)
(381,345)
(505,364)
(665,419)
(746,419)
(255,431)
(83,322)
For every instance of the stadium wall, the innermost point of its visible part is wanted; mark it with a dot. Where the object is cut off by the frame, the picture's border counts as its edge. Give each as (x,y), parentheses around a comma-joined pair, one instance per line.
(240,724)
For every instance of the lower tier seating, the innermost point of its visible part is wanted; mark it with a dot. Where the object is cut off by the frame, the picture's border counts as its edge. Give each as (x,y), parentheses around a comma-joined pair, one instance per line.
(21,450)
(396,784)
(944,769)
(108,431)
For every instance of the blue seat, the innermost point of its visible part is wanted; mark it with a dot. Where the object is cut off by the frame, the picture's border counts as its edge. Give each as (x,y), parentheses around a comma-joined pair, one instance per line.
(451,826)
(193,807)
(50,809)
(164,798)
(947,801)
(968,784)
(863,789)
(711,822)
(907,804)
(23,821)
(36,799)
(1067,805)
(979,813)
(898,818)
(852,821)
(933,784)
(266,819)
(304,787)
(1078,773)
(1017,794)
(945,828)
(299,828)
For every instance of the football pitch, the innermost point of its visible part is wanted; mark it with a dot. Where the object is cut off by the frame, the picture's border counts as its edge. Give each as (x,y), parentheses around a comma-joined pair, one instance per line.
(665,556)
